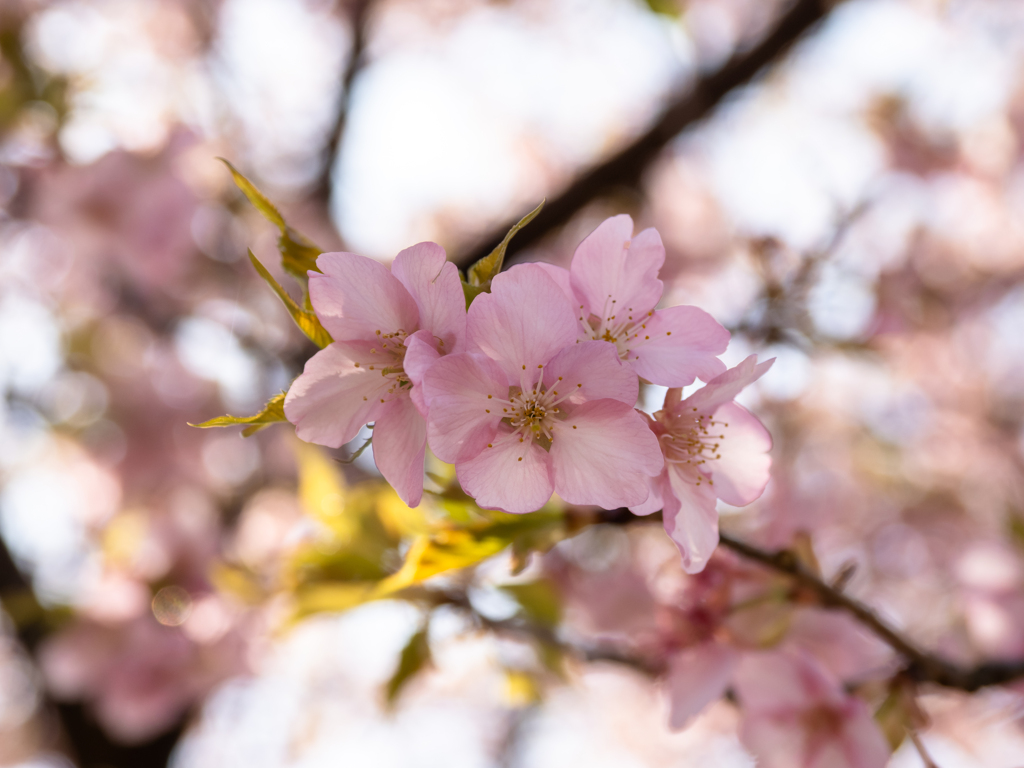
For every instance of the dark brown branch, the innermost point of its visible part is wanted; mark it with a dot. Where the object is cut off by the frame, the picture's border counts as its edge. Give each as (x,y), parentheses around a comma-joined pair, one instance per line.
(922,666)
(89,744)
(626,167)
(359,11)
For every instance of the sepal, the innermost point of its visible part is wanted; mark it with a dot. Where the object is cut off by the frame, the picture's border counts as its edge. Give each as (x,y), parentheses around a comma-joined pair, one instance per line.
(306,319)
(298,253)
(272,413)
(479,275)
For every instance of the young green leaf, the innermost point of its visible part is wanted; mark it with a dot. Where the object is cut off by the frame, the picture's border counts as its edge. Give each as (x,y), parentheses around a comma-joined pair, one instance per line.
(298,253)
(272,413)
(307,321)
(666,7)
(539,601)
(480,274)
(415,657)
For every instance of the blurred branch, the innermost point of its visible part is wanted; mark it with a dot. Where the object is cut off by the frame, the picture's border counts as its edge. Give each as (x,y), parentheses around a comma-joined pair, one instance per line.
(88,743)
(922,666)
(358,14)
(547,636)
(627,166)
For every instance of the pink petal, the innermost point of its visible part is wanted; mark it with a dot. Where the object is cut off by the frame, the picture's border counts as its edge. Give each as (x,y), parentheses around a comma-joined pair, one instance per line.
(698,676)
(659,489)
(776,743)
(420,353)
(433,282)
(561,278)
(839,642)
(678,345)
(691,519)
(782,694)
(861,740)
(509,474)
(399,447)
(612,264)
(333,398)
(782,682)
(355,297)
(723,389)
(673,397)
(743,470)
(595,365)
(464,393)
(522,322)
(603,453)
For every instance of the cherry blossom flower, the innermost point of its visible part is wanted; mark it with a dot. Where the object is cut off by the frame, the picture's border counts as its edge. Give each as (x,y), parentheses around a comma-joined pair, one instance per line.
(613,283)
(376,316)
(529,409)
(699,674)
(714,449)
(796,715)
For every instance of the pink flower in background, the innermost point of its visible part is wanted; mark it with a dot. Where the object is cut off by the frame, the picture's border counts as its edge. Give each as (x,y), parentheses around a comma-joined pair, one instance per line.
(387,325)
(700,674)
(530,410)
(796,715)
(614,287)
(714,449)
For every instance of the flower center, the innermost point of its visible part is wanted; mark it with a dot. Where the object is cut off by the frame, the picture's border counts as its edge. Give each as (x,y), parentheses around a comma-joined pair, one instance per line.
(691,439)
(532,409)
(390,354)
(626,333)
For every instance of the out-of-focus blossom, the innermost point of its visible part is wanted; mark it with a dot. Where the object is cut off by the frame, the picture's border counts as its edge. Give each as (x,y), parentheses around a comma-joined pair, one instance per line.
(531,410)
(707,438)
(127,213)
(796,715)
(613,280)
(140,675)
(388,327)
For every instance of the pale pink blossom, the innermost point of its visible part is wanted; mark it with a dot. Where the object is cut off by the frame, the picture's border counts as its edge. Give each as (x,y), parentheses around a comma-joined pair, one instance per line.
(529,410)
(614,287)
(700,674)
(797,715)
(714,449)
(387,326)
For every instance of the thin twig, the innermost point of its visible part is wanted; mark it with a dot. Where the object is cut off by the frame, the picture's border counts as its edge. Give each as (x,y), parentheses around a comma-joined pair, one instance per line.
(546,636)
(915,738)
(359,13)
(922,666)
(627,167)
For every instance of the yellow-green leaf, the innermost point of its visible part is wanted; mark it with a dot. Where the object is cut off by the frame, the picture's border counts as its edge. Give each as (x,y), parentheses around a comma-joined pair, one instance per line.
(322,490)
(480,274)
(237,582)
(521,688)
(272,413)
(415,657)
(307,321)
(672,8)
(471,292)
(444,551)
(332,597)
(892,718)
(539,601)
(298,253)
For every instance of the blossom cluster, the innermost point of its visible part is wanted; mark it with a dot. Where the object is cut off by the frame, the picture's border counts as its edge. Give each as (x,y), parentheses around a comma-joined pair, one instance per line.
(532,389)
